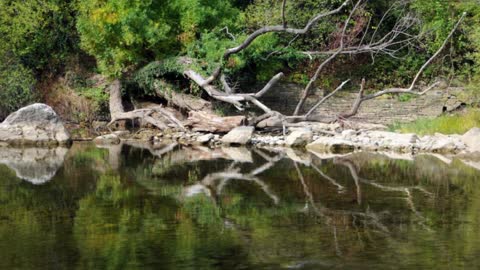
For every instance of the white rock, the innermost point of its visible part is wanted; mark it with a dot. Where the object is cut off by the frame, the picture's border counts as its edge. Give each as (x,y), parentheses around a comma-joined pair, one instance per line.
(239,135)
(472,140)
(299,137)
(331,144)
(107,139)
(348,133)
(34,124)
(441,143)
(205,138)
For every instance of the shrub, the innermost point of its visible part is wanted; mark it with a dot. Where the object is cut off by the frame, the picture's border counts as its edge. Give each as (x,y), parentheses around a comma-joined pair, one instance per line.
(16,87)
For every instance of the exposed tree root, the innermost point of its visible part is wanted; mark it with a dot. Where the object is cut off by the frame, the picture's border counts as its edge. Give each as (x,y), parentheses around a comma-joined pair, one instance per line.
(117,111)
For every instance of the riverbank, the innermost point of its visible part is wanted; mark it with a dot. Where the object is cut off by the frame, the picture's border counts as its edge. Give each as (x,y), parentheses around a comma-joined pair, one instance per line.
(329,138)
(38,124)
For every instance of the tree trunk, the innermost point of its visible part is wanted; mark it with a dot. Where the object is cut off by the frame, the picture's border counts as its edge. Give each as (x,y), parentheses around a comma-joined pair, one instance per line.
(204,121)
(117,111)
(182,101)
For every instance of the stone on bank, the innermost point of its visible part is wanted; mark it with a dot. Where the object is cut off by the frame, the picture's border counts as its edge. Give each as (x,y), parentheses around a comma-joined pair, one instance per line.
(472,139)
(299,137)
(239,135)
(107,139)
(36,124)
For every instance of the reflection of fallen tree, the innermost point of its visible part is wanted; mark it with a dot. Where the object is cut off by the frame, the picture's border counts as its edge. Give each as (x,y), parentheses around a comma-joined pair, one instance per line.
(361,218)
(367,218)
(172,158)
(407,190)
(172,154)
(35,165)
(178,155)
(213,184)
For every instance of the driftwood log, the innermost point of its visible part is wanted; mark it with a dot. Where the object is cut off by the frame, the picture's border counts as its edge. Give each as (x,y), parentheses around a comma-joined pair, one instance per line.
(208,122)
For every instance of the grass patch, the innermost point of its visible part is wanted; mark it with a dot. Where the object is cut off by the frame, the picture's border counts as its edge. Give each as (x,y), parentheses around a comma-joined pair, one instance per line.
(458,123)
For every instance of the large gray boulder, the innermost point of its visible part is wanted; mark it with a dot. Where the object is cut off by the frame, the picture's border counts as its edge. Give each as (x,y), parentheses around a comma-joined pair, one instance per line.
(239,135)
(472,140)
(36,124)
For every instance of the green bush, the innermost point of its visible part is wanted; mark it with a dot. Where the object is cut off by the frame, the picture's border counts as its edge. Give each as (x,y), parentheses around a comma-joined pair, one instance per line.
(41,34)
(122,35)
(16,85)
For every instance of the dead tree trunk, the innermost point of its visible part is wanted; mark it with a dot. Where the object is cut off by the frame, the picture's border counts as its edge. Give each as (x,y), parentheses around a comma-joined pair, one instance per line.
(208,122)
(117,111)
(183,101)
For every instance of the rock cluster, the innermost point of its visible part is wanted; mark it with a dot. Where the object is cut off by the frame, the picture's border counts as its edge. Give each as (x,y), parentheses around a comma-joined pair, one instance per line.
(312,139)
(36,124)
(350,140)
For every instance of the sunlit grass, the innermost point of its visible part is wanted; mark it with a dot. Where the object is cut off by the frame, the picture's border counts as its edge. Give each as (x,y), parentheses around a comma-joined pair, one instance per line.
(447,124)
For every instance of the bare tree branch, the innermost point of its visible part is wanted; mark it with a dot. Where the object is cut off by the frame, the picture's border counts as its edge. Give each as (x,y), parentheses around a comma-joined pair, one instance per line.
(361,97)
(314,78)
(274,80)
(325,99)
(281,28)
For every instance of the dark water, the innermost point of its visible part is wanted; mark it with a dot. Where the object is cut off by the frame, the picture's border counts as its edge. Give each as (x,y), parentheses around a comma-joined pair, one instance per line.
(142,208)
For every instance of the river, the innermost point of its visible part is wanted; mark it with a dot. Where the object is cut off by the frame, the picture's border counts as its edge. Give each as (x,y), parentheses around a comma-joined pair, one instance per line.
(135,206)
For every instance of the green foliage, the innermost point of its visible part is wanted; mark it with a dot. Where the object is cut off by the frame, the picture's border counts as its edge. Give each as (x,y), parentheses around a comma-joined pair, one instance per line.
(201,16)
(36,36)
(39,33)
(120,33)
(210,48)
(16,85)
(447,124)
(97,95)
(123,34)
(149,75)
(439,17)
(405,97)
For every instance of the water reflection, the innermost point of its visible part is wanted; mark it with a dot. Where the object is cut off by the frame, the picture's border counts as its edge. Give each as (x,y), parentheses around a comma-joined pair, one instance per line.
(35,165)
(170,207)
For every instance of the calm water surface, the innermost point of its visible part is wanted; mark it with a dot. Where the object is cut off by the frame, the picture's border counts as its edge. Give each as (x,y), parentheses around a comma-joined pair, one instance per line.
(138,207)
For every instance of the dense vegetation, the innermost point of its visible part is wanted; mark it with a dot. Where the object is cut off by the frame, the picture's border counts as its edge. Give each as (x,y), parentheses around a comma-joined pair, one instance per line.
(43,40)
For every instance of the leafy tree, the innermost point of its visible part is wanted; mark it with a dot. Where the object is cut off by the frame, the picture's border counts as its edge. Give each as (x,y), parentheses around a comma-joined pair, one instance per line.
(37,36)
(16,85)
(40,33)
(122,34)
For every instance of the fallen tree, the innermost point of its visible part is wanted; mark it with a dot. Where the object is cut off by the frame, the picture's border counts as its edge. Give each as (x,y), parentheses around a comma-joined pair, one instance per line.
(217,88)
